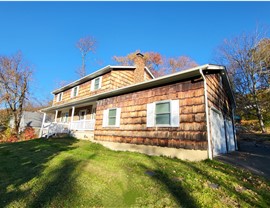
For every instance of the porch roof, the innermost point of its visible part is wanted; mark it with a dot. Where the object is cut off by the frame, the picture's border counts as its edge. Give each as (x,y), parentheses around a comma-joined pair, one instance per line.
(193,72)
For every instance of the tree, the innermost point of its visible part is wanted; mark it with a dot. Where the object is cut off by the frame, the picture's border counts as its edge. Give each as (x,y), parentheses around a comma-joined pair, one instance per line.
(246,58)
(15,76)
(85,45)
(158,64)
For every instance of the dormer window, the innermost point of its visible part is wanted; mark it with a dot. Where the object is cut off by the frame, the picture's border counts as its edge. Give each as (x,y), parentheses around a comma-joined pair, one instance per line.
(59,97)
(96,83)
(75,91)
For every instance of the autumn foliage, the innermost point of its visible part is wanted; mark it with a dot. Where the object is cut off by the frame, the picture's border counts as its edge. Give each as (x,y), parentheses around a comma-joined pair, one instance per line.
(8,136)
(158,64)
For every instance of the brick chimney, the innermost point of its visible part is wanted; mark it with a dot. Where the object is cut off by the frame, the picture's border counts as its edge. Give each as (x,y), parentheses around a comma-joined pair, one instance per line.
(139,71)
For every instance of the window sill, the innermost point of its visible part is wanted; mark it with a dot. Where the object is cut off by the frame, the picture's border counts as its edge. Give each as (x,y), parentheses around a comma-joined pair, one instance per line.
(111,127)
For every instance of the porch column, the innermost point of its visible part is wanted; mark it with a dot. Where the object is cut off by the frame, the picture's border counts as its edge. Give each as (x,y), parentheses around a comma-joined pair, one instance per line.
(72,113)
(71,119)
(55,118)
(42,125)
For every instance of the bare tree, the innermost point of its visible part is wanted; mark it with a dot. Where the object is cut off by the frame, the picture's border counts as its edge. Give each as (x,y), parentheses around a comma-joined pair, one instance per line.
(247,60)
(85,45)
(15,76)
(159,65)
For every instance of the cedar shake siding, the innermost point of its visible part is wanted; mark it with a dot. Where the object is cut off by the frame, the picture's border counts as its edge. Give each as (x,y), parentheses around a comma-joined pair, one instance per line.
(217,94)
(114,79)
(85,90)
(191,133)
(121,78)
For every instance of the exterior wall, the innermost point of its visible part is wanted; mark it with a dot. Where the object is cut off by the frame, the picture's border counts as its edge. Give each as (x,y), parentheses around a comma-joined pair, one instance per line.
(121,78)
(217,96)
(110,81)
(85,90)
(218,99)
(191,134)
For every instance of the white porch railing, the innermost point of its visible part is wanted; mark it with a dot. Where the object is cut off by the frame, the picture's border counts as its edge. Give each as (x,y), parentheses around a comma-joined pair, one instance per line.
(83,125)
(55,128)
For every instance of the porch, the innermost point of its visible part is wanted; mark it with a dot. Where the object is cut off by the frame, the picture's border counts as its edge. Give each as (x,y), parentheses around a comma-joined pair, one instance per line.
(70,120)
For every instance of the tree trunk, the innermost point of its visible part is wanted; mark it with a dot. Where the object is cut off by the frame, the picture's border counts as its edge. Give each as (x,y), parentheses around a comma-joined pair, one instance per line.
(260,116)
(16,125)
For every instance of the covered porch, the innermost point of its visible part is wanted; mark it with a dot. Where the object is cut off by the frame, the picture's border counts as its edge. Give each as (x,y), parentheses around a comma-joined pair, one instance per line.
(70,120)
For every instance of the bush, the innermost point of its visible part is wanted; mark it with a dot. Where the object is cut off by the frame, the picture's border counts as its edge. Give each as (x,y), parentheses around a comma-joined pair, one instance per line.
(28,133)
(8,136)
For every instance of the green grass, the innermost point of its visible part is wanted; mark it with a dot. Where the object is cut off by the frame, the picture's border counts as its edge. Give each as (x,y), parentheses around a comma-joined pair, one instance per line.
(72,173)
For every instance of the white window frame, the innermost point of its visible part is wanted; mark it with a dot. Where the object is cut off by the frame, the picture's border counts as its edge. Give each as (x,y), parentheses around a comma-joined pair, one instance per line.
(72,92)
(106,118)
(163,125)
(174,114)
(59,95)
(84,118)
(93,83)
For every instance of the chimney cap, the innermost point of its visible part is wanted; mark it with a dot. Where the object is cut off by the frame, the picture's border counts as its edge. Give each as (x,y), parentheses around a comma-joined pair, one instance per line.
(140,54)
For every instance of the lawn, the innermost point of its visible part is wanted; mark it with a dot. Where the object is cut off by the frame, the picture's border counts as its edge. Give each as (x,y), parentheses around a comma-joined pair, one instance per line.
(72,173)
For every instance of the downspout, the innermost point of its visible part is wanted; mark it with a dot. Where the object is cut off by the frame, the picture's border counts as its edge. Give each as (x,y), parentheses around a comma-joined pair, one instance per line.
(210,154)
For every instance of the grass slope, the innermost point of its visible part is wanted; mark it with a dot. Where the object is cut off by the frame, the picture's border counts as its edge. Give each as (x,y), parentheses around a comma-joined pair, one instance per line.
(72,173)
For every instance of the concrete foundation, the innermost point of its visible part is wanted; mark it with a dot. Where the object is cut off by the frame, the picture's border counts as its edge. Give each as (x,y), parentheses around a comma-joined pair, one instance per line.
(84,135)
(183,154)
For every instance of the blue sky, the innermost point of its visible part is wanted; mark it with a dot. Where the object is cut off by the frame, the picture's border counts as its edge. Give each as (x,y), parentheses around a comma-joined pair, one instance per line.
(46,32)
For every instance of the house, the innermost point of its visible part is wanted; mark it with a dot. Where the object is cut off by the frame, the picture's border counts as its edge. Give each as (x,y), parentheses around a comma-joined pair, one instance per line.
(30,119)
(188,114)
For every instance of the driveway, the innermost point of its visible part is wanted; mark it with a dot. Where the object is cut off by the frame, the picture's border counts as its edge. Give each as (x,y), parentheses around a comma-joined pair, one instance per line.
(253,156)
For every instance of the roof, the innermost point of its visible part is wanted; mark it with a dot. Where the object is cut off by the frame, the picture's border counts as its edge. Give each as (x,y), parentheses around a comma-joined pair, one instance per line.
(182,75)
(96,74)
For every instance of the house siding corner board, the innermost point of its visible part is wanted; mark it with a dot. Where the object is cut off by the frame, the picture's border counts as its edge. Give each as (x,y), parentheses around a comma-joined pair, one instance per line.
(190,134)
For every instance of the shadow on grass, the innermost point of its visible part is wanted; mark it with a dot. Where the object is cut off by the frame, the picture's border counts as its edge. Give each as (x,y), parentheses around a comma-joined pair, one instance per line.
(179,193)
(60,186)
(24,161)
(238,178)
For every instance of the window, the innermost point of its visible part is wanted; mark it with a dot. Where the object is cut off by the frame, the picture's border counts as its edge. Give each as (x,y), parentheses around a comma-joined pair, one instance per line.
(74,91)
(163,114)
(111,117)
(96,83)
(59,97)
(82,115)
(64,117)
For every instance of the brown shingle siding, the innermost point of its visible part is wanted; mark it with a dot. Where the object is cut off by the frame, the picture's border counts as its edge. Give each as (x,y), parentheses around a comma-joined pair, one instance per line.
(133,117)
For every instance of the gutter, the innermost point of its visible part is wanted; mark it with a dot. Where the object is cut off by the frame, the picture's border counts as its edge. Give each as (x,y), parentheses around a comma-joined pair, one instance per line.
(210,153)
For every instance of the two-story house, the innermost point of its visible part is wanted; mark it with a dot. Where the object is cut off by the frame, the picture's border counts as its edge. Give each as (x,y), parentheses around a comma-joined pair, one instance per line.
(188,114)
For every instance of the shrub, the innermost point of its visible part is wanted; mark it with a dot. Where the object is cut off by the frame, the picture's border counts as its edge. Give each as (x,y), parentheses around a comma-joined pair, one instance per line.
(28,133)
